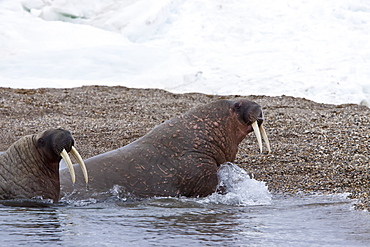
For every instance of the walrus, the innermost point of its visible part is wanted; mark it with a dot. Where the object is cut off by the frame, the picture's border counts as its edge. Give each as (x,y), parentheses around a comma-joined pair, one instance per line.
(179,157)
(29,169)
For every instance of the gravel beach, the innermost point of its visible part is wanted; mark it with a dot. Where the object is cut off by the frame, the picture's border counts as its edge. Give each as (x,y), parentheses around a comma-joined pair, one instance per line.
(316,148)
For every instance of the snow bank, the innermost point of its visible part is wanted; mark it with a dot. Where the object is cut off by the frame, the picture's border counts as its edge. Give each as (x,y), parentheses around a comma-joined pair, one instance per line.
(312,49)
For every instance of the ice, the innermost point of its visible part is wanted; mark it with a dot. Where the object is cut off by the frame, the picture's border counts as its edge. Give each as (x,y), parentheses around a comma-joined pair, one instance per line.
(312,49)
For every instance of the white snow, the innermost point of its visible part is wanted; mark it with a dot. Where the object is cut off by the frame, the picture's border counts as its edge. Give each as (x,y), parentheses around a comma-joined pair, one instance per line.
(315,49)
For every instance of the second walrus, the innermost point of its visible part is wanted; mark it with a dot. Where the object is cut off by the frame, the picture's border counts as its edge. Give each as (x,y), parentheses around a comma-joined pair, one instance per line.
(179,157)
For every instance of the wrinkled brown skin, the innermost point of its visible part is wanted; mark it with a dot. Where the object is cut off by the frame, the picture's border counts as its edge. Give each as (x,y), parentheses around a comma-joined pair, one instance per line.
(29,169)
(180,157)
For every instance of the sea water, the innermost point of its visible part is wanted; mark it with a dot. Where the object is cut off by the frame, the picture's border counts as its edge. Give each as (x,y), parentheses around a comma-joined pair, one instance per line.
(246,214)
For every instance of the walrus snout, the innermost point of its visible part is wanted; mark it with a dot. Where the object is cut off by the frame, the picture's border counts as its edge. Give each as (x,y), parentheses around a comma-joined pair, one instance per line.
(61,142)
(251,113)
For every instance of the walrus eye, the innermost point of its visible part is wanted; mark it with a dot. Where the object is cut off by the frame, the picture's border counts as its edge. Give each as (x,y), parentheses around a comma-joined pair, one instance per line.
(237,105)
(41,142)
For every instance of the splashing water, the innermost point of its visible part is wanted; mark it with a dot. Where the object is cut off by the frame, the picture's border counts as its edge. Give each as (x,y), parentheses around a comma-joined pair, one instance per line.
(239,188)
(235,188)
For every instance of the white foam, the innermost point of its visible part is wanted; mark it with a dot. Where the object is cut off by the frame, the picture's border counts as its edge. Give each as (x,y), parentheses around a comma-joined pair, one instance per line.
(239,188)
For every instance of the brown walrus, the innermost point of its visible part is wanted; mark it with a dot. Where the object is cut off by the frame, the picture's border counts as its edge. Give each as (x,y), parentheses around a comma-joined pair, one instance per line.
(179,157)
(29,169)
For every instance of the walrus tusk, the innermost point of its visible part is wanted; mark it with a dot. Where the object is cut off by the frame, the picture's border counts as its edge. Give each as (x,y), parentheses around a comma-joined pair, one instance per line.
(258,134)
(69,164)
(80,162)
(264,136)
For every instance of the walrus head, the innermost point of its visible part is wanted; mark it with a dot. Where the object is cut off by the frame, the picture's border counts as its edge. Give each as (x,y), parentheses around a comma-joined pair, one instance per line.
(30,167)
(55,145)
(251,114)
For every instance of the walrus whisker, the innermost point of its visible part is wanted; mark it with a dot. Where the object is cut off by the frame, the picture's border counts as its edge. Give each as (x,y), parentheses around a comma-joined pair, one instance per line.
(258,134)
(69,164)
(80,161)
(264,136)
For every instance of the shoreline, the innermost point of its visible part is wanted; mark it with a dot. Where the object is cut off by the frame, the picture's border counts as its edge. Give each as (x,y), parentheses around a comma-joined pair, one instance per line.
(316,147)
